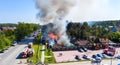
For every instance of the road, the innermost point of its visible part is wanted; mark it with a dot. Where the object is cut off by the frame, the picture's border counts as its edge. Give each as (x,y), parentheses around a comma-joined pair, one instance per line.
(10,56)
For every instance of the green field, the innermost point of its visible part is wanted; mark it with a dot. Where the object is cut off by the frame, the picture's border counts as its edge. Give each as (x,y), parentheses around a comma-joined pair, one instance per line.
(49,57)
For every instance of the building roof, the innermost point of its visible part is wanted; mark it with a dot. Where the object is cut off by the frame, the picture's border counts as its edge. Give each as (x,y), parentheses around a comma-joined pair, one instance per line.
(82,42)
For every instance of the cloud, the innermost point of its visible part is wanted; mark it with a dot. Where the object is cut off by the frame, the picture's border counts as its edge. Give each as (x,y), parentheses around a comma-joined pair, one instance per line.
(92,10)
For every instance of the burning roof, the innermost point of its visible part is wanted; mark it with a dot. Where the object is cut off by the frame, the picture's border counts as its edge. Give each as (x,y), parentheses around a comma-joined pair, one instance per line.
(52,14)
(53,36)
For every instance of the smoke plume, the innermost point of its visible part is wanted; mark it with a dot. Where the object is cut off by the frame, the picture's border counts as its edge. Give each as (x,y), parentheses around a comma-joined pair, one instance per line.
(53,12)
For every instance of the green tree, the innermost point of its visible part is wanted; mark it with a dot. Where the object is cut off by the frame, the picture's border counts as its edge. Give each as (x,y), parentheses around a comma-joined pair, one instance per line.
(25,29)
(85,31)
(114,36)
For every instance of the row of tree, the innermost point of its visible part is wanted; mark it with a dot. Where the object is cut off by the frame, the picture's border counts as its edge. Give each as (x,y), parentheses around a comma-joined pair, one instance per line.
(6,39)
(25,29)
(84,32)
(8,24)
(114,36)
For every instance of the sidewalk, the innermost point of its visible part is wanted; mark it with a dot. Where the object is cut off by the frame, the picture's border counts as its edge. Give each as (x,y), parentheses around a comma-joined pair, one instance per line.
(43,54)
(107,62)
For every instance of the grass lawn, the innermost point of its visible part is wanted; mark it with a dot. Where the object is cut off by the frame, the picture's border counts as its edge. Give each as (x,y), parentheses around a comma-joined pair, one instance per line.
(49,57)
(37,57)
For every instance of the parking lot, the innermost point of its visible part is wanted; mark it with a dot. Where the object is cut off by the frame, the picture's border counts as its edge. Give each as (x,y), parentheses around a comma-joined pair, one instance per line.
(65,56)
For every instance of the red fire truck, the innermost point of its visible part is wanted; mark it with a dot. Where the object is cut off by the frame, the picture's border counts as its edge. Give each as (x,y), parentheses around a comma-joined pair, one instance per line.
(109,51)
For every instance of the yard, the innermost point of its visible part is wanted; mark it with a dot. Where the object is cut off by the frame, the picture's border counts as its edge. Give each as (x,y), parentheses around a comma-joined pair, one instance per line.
(49,57)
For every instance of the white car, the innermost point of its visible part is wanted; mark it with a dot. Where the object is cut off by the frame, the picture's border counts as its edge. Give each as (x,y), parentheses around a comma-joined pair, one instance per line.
(14,43)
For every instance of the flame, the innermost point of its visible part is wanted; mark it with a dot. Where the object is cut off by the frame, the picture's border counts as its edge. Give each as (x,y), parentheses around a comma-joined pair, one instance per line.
(54,36)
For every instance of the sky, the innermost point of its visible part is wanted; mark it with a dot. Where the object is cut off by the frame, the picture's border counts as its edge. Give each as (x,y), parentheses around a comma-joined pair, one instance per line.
(13,11)
(95,10)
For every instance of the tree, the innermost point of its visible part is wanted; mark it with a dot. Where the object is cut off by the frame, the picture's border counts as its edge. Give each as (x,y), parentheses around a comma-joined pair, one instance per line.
(73,30)
(114,36)
(25,29)
(85,31)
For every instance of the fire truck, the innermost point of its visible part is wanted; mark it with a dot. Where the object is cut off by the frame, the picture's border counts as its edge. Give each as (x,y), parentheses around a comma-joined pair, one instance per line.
(28,52)
(109,51)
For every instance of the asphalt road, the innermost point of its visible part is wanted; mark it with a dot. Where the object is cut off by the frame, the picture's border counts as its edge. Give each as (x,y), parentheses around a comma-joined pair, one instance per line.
(10,56)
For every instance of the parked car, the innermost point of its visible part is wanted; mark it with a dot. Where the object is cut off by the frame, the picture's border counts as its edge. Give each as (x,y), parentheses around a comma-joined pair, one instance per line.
(86,57)
(77,57)
(118,57)
(96,60)
(14,43)
(80,50)
(100,55)
(93,61)
(94,56)
(104,55)
(85,49)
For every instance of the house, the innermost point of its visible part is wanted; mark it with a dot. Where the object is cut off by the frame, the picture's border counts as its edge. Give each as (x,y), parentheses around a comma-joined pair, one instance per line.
(113,29)
(105,41)
(82,42)
(8,28)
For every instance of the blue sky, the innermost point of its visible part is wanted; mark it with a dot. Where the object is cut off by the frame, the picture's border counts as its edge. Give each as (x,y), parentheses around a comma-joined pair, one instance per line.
(13,11)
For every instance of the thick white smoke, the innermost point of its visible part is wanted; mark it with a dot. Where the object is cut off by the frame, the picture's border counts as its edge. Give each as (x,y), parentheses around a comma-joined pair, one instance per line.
(51,10)
(54,11)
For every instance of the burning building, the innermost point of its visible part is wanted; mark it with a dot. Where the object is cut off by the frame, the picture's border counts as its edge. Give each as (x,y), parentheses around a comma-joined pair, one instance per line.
(52,14)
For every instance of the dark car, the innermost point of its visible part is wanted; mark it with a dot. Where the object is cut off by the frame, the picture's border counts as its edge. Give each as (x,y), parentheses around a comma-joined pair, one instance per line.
(118,57)
(100,55)
(94,56)
(86,57)
(85,49)
(77,57)
(80,49)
